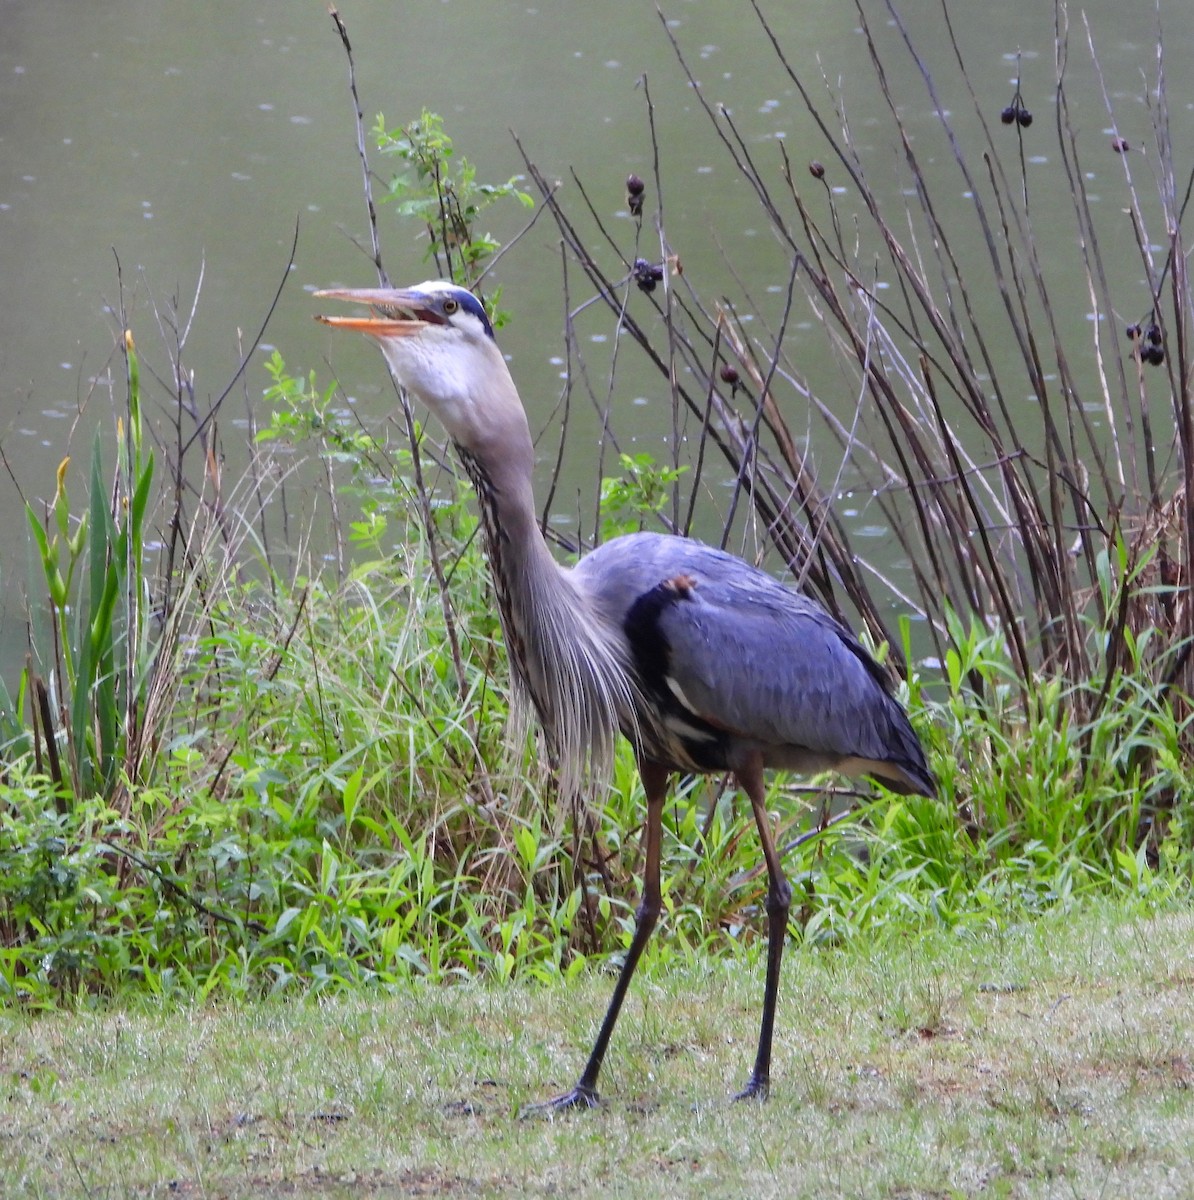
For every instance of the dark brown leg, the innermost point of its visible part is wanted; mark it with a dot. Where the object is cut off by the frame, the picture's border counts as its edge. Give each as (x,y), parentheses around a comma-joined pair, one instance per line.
(779,901)
(584,1094)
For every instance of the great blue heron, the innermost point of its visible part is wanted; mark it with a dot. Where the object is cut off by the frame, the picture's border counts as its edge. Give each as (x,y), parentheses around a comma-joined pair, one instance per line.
(705,663)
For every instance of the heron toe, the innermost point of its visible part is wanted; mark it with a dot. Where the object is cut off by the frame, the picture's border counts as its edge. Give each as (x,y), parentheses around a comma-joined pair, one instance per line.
(756,1089)
(580,1096)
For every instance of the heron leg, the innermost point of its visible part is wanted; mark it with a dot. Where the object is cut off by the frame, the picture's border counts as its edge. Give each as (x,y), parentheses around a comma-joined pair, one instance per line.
(779,902)
(584,1094)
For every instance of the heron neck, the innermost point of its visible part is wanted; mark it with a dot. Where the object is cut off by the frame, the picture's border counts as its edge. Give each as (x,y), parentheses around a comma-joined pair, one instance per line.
(566,664)
(528,581)
(499,456)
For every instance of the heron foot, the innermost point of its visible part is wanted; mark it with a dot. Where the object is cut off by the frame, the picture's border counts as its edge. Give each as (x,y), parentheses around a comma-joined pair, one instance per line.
(581,1096)
(756,1089)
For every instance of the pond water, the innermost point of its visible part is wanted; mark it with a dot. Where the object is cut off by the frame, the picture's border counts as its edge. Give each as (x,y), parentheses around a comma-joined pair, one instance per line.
(144,146)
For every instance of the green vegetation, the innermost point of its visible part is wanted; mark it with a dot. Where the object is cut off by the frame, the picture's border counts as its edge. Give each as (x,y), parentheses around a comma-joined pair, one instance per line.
(230,774)
(330,797)
(444,195)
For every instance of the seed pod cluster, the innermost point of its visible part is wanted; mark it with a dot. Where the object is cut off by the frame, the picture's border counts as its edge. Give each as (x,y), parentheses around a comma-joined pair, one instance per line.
(1147,338)
(646,274)
(1016,113)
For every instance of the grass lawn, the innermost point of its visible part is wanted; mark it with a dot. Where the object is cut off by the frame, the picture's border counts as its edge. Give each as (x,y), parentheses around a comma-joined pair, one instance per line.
(1054,1059)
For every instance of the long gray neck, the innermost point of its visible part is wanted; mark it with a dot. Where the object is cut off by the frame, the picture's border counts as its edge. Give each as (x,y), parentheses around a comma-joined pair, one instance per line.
(526,579)
(568,663)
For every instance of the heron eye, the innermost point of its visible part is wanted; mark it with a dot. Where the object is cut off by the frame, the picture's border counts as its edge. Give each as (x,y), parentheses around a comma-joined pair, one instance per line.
(450,306)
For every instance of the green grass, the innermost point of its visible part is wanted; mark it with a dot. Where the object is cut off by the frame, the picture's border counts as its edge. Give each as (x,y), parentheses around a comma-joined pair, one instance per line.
(1054,1059)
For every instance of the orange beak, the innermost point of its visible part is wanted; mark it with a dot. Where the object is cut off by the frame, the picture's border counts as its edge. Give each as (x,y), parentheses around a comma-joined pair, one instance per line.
(396,312)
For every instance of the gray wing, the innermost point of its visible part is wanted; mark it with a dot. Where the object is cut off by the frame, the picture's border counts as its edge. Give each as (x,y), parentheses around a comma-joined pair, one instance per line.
(749,656)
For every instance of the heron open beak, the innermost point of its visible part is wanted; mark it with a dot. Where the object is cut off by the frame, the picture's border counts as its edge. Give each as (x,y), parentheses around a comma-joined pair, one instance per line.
(396,312)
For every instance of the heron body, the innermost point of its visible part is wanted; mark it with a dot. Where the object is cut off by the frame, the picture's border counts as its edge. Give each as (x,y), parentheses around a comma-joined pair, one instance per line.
(731,661)
(705,663)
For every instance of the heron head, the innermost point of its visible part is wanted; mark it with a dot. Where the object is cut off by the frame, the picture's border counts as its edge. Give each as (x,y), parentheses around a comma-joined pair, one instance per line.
(440,346)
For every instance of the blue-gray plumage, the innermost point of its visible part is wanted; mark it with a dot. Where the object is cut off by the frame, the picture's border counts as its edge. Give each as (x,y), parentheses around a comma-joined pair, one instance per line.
(702,661)
(764,665)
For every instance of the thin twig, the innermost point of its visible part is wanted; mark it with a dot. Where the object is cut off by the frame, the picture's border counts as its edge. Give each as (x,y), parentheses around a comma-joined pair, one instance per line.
(362,152)
(178,890)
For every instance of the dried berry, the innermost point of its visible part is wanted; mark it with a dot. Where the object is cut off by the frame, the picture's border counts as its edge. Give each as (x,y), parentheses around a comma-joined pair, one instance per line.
(1153,355)
(1120,145)
(1009,114)
(1153,334)
(634,195)
(1024,117)
(1133,332)
(729,374)
(816,169)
